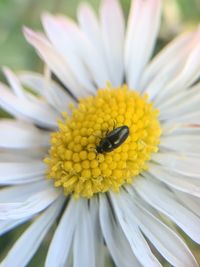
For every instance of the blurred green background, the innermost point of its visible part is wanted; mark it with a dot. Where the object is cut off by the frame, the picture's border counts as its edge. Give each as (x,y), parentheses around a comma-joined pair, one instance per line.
(178,16)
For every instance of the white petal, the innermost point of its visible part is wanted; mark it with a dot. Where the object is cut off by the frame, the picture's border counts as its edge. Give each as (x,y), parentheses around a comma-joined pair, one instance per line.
(20,193)
(184,103)
(21,172)
(187,76)
(165,202)
(39,113)
(84,252)
(85,50)
(55,95)
(171,70)
(188,118)
(181,163)
(6,226)
(20,92)
(20,135)
(22,155)
(55,62)
(184,129)
(117,243)
(24,201)
(63,42)
(177,50)
(178,181)
(174,128)
(133,234)
(143,25)
(112,26)
(181,143)
(14,83)
(166,241)
(98,236)
(183,98)
(61,243)
(26,246)
(91,57)
(189,201)
(90,26)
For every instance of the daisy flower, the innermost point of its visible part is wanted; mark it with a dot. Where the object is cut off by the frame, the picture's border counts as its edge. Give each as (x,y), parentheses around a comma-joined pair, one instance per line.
(107,151)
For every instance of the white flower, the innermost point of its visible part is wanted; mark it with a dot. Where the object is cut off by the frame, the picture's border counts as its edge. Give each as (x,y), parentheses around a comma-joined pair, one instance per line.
(153,200)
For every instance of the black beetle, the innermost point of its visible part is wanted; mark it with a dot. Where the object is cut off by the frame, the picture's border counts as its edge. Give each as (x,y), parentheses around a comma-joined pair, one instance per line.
(113,139)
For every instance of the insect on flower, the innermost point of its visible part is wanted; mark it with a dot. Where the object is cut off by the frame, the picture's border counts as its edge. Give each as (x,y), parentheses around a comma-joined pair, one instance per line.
(127,200)
(113,139)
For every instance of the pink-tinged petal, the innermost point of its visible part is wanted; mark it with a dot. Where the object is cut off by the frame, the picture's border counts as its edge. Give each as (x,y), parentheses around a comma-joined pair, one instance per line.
(169,69)
(143,25)
(184,103)
(55,62)
(42,85)
(166,65)
(185,97)
(64,44)
(37,112)
(21,135)
(89,24)
(112,27)
(14,83)
(182,108)
(55,95)
(188,74)
(165,202)
(85,50)
(180,130)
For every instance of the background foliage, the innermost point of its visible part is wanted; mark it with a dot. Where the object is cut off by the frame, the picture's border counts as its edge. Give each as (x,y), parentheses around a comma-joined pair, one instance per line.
(178,15)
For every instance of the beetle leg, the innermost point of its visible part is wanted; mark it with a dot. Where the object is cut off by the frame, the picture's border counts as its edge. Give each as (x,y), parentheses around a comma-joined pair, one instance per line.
(115,124)
(97,136)
(91,148)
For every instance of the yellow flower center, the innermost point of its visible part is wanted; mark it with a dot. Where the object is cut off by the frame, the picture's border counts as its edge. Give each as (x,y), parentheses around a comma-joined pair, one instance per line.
(73,160)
